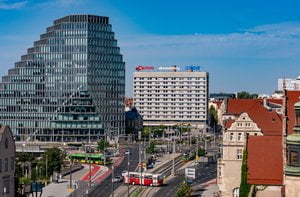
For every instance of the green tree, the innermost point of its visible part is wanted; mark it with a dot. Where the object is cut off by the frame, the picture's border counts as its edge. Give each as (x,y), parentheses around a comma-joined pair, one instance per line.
(213,112)
(102,145)
(54,157)
(151,148)
(201,152)
(146,131)
(184,190)
(244,186)
(246,95)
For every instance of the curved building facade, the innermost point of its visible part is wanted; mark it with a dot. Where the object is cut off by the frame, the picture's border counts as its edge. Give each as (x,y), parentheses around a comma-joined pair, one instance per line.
(70,85)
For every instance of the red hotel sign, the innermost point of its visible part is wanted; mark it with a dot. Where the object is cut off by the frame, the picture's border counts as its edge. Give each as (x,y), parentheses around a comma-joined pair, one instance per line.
(139,68)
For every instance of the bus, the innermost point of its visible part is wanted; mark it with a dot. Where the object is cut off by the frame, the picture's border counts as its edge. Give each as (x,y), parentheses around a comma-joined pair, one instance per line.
(89,158)
(146,179)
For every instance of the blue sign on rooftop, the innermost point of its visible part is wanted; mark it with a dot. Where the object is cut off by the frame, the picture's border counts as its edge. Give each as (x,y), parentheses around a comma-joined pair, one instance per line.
(192,68)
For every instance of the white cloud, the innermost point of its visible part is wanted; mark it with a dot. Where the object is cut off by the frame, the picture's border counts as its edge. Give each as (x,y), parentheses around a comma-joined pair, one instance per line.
(267,41)
(60,3)
(9,5)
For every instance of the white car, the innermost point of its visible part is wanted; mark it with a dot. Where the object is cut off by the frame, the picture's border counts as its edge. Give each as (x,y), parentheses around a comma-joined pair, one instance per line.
(117,179)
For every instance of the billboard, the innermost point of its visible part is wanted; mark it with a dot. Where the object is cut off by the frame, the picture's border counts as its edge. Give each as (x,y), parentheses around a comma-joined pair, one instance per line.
(192,68)
(139,68)
(172,68)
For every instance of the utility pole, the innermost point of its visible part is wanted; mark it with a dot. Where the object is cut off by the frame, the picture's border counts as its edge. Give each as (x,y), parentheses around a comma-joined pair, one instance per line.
(173,170)
(197,150)
(112,180)
(46,165)
(71,188)
(140,163)
(128,194)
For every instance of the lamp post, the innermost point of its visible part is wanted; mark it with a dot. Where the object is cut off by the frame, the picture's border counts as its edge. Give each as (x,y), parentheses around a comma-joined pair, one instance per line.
(128,153)
(112,180)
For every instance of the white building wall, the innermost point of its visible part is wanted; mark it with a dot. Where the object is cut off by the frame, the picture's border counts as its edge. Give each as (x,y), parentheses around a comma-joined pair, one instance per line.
(171,97)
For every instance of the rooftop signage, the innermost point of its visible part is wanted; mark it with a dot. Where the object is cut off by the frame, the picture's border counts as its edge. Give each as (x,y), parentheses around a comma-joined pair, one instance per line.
(192,68)
(173,68)
(139,68)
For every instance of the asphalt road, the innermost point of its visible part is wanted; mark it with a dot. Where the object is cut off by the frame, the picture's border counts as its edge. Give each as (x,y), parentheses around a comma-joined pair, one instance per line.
(105,188)
(203,175)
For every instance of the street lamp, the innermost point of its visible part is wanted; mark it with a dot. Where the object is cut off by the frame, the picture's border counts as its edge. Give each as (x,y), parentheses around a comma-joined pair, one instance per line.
(128,153)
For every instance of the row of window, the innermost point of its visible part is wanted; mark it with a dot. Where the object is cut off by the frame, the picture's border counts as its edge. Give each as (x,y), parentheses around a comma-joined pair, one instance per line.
(145,117)
(170,82)
(169,78)
(173,112)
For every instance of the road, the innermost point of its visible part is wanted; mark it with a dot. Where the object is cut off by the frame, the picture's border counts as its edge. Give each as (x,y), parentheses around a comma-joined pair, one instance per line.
(203,175)
(105,188)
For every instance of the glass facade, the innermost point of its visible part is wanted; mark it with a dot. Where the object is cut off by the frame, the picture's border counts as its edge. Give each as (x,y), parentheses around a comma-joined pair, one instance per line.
(70,86)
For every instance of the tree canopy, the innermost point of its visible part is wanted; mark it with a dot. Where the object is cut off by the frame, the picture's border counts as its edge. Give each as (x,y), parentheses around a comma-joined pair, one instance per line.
(246,95)
(102,145)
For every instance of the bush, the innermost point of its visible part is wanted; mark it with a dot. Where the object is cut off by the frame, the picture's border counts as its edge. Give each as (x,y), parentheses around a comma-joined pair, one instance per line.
(184,190)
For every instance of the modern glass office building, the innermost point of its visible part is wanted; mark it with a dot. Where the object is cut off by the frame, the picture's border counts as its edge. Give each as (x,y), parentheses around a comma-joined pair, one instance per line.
(70,85)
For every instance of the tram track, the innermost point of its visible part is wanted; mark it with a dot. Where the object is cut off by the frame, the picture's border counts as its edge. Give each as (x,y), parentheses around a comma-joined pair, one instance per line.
(166,170)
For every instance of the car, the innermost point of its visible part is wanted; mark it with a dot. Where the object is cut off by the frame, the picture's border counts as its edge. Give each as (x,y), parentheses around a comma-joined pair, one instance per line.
(117,179)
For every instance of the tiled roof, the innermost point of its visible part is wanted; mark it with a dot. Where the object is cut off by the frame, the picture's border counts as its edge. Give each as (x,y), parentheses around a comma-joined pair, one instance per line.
(238,106)
(265,162)
(292,98)
(268,121)
(228,123)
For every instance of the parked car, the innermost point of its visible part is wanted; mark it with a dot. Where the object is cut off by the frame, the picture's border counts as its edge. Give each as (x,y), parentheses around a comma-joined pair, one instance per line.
(117,179)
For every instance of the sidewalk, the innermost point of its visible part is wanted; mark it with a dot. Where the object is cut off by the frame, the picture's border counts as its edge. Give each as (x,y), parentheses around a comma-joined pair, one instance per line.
(57,189)
(207,189)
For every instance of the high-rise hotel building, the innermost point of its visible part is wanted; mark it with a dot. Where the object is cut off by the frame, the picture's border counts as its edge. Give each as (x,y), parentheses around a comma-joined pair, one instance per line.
(69,86)
(169,98)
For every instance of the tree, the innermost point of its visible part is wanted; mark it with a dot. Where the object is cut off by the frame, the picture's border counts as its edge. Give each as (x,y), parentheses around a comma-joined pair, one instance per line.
(246,95)
(184,190)
(151,148)
(102,145)
(146,131)
(54,157)
(214,113)
(201,152)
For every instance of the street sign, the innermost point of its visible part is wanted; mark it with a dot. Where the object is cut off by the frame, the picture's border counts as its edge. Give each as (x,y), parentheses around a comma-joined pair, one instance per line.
(190,173)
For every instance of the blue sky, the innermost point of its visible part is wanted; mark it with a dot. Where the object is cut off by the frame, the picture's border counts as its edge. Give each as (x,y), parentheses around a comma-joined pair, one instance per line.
(244,45)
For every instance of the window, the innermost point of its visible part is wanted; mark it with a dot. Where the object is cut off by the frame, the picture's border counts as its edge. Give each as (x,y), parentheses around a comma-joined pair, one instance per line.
(0,165)
(12,164)
(231,137)
(239,136)
(220,172)
(239,154)
(294,157)
(236,192)
(6,165)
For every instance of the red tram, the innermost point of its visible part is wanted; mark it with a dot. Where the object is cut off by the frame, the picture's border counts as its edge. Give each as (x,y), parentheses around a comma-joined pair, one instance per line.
(146,179)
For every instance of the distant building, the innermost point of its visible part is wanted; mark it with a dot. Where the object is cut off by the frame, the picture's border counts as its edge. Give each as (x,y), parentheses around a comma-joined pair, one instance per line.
(221,96)
(290,84)
(7,162)
(169,98)
(128,103)
(133,121)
